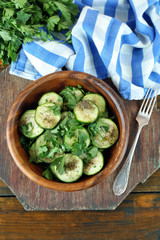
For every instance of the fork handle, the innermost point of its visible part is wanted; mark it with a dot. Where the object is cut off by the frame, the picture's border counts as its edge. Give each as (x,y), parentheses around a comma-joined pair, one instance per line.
(121,181)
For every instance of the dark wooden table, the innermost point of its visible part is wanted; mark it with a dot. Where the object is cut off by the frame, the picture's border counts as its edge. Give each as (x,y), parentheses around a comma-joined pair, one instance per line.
(137,217)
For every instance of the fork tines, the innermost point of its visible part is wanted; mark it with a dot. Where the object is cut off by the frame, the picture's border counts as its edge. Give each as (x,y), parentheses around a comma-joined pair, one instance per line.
(149,101)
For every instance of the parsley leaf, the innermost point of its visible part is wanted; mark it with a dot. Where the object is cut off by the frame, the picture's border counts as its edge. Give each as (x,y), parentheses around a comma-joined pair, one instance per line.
(26,142)
(19,3)
(32,159)
(52,21)
(69,96)
(66,126)
(97,128)
(47,174)
(79,147)
(5,35)
(59,163)
(42,151)
(22,17)
(91,153)
(26,20)
(27,128)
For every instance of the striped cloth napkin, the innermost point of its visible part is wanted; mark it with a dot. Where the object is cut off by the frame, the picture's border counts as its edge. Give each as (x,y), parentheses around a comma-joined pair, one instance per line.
(111,38)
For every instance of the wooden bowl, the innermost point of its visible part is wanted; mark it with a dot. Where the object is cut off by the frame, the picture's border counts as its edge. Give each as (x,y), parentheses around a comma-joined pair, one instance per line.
(28,99)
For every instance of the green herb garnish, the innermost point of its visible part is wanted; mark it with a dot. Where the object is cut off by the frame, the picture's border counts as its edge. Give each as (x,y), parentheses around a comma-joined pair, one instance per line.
(96,128)
(26,142)
(55,109)
(59,163)
(69,96)
(27,128)
(47,174)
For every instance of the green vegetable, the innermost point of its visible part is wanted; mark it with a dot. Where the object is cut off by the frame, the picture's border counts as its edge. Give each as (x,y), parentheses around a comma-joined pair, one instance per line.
(27,125)
(20,21)
(68,168)
(71,96)
(48,115)
(94,165)
(47,145)
(27,128)
(97,99)
(59,163)
(26,142)
(107,133)
(97,128)
(67,125)
(69,148)
(47,173)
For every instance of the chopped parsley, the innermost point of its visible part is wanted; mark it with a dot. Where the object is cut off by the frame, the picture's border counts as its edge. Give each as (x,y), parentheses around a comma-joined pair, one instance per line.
(55,109)
(26,142)
(27,128)
(47,173)
(70,97)
(97,128)
(59,163)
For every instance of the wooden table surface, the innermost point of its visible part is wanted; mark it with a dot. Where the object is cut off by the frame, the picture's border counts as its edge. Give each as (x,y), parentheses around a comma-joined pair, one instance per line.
(137,217)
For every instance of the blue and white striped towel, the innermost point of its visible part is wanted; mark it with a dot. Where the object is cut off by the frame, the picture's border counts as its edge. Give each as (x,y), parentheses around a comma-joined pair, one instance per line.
(111,38)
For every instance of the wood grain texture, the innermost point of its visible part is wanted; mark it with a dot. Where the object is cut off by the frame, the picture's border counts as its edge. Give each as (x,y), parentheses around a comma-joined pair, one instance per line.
(136,218)
(158,103)
(151,185)
(33,197)
(4,190)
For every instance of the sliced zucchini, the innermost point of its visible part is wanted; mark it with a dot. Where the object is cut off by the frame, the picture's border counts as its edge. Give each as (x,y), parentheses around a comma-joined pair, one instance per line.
(86,111)
(50,151)
(64,115)
(51,97)
(47,115)
(98,100)
(39,144)
(73,169)
(72,140)
(108,133)
(71,96)
(28,126)
(94,165)
(78,93)
(32,154)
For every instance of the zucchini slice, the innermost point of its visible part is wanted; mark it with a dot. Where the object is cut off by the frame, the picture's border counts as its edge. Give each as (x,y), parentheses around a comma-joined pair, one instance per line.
(41,142)
(86,111)
(73,169)
(47,115)
(64,115)
(51,97)
(41,145)
(28,126)
(72,140)
(94,165)
(105,138)
(98,100)
(71,96)
(32,154)
(78,93)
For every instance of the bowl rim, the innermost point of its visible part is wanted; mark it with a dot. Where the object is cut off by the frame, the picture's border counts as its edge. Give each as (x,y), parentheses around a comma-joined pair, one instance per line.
(60,186)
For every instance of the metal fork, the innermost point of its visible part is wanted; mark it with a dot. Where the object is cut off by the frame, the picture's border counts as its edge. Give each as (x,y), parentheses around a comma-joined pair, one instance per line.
(143,116)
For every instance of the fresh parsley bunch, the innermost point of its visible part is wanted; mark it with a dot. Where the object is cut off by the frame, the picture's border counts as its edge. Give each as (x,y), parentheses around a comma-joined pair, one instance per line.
(21,20)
